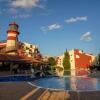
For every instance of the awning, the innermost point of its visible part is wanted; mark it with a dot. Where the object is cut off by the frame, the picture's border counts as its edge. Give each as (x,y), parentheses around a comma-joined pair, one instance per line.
(17,58)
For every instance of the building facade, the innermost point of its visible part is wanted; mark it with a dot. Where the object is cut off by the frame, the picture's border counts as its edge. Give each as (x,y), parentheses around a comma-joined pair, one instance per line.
(79,61)
(14,47)
(59,60)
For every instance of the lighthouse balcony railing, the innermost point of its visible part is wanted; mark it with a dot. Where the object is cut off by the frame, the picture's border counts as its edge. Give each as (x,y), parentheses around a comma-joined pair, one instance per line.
(10,48)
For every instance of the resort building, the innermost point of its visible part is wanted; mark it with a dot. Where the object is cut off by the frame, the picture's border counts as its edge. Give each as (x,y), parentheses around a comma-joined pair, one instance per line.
(15,55)
(29,50)
(79,61)
(14,47)
(59,60)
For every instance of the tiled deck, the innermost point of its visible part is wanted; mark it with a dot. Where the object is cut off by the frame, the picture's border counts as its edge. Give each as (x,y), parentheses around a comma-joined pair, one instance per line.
(25,91)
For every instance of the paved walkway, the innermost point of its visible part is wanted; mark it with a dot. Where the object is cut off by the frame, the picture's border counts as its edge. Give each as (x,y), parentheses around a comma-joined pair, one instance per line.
(25,91)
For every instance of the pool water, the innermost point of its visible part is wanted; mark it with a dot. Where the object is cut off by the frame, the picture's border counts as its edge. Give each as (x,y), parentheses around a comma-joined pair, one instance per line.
(53,82)
(69,83)
(14,78)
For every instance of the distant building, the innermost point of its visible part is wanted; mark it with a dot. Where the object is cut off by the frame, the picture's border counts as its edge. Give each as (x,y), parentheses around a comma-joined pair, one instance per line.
(59,60)
(14,47)
(45,58)
(27,49)
(79,60)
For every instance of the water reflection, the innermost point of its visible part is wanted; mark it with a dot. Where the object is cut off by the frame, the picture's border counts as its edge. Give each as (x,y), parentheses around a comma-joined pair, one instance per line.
(73,83)
(85,83)
(69,83)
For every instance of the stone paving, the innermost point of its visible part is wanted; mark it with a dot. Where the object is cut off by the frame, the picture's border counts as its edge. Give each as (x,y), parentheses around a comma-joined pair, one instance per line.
(25,91)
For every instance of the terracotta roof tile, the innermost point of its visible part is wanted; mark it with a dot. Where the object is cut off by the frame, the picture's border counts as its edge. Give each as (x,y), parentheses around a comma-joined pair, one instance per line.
(14,58)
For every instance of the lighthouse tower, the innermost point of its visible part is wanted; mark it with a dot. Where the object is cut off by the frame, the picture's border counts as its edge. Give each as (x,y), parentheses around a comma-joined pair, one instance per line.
(12,38)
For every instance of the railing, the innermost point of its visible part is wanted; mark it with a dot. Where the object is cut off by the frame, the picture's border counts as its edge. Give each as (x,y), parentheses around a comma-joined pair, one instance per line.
(11,48)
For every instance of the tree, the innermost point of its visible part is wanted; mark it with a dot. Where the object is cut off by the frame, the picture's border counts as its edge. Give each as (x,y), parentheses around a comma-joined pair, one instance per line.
(99,59)
(66,62)
(96,63)
(52,62)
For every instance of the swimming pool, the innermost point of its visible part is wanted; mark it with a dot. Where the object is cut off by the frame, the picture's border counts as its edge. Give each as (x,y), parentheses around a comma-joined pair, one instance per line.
(69,83)
(19,78)
(54,82)
(14,78)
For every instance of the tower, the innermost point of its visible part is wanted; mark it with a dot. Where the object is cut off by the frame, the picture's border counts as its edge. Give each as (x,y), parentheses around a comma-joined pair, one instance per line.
(12,38)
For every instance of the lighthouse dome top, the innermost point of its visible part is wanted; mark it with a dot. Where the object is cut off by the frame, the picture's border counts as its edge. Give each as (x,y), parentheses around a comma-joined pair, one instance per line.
(13,24)
(13,27)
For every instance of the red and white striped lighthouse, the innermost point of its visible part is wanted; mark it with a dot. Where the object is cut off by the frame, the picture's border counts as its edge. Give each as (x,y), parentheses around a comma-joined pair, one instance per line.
(12,38)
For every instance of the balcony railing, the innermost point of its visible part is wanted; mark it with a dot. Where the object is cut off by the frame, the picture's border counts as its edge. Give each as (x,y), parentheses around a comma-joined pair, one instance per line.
(11,48)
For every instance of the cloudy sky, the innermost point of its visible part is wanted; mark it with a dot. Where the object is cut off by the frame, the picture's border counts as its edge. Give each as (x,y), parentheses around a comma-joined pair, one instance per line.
(54,25)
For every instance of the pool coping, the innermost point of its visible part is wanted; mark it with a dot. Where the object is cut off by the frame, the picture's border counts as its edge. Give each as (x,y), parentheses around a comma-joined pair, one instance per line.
(62,89)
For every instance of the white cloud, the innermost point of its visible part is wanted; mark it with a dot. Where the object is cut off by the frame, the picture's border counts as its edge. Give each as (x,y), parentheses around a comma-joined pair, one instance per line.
(43,29)
(54,26)
(25,3)
(21,16)
(51,27)
(76,19)
(20,8)
(86,36)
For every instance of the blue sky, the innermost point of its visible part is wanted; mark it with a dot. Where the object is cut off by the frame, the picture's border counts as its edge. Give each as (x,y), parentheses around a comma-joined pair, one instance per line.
(54,25)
